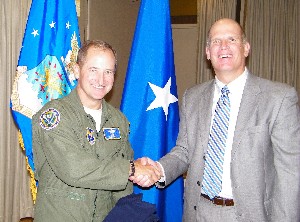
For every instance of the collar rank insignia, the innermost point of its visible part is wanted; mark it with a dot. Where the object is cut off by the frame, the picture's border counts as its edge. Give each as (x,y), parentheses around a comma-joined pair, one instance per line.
(111,133)
(89,135)
(49,119)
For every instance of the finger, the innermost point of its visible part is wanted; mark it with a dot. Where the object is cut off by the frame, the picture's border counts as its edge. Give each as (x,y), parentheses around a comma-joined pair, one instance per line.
(151,162)
(148,183)
(156,175)
(144,182)
(156,165)
(153,176)
(136,179)
(144,161)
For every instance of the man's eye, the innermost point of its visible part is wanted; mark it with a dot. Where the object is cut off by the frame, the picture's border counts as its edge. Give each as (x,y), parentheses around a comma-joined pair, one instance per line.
(216,41)
(108,72)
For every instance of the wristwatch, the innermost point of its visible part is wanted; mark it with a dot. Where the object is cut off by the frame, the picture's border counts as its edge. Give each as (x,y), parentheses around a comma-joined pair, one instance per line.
(132,168)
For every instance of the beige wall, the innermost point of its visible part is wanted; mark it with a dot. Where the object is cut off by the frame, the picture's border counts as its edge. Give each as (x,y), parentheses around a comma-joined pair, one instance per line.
(114,21)
(185,45)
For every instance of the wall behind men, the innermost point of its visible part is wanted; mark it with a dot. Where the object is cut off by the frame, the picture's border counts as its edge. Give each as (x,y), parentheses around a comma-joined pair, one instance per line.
(114,21)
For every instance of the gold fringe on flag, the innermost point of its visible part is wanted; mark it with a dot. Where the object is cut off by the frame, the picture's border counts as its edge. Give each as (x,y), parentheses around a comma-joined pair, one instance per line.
(33,187)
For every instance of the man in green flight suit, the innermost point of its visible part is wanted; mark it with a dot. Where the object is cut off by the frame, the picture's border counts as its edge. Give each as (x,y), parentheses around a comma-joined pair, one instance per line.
(82,155)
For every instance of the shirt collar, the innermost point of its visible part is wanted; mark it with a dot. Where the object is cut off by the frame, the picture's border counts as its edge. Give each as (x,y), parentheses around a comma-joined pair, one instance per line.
(236,85)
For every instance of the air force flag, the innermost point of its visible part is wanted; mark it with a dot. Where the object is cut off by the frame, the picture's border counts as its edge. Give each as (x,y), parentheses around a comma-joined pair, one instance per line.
(150,100)
(50,45)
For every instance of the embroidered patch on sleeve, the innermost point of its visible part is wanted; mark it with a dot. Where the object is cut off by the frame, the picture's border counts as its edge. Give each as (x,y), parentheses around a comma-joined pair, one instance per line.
(49,119)
(111,133)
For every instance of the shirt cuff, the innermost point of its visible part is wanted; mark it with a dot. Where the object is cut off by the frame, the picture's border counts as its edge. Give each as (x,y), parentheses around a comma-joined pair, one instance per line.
(162,181)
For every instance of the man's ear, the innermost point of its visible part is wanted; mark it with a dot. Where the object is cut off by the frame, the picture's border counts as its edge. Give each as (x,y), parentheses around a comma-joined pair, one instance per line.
(76,69)
(246,49)
(207,53)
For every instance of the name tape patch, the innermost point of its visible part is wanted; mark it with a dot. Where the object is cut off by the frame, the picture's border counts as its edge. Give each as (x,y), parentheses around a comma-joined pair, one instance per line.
(112,133)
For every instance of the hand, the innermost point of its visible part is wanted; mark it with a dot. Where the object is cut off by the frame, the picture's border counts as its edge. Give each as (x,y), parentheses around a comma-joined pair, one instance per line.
(147,161)
(147,172)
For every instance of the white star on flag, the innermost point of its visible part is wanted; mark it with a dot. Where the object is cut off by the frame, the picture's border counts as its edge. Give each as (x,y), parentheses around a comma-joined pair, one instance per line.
(163,97)
(35,32)
(68,25)
(52,24)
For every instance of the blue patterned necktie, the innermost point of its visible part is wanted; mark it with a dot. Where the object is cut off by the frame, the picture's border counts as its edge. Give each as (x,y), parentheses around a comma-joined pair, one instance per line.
(213,169)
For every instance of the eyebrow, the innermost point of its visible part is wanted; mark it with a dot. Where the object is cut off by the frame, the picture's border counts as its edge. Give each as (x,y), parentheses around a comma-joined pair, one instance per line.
(93,67)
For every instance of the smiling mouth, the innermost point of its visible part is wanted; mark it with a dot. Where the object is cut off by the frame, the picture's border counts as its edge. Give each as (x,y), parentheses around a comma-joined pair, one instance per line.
(98,87)
(224,56)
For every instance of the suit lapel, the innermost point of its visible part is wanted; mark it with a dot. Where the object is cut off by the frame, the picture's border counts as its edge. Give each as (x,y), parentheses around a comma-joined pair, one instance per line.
(247,109)
(205,107)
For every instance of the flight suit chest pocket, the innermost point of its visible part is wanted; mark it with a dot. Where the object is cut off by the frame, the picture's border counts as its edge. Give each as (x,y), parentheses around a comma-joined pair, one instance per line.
(111,142)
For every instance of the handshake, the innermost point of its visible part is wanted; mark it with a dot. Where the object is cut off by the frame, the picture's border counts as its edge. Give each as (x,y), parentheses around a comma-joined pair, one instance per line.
(147,172)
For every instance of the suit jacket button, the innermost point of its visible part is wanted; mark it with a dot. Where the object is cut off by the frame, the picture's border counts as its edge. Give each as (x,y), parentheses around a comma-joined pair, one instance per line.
(204,157)
(198,183)
(195,207)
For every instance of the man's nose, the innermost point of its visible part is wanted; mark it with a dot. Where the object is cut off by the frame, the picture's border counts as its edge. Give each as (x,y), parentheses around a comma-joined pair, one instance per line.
(99,77)
(224,43)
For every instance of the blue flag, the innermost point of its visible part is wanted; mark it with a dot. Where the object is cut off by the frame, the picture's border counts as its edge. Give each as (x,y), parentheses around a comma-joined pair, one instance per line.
(44,72)
(150,100)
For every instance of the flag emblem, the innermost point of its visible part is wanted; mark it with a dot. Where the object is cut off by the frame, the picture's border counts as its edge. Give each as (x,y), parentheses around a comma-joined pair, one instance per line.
(70,60)
(49,119)
(111,133)
(47,79)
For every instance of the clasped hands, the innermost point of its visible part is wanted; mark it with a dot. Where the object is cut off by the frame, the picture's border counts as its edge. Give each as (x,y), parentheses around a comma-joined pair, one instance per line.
(147,172)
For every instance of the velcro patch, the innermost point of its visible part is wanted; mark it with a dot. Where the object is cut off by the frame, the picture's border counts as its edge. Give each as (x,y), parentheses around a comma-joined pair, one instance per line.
(49,119)
(112,133)
(89,135)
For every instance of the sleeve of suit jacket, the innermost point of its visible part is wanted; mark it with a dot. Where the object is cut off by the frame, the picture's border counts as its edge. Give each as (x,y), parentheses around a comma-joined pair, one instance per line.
(285,137)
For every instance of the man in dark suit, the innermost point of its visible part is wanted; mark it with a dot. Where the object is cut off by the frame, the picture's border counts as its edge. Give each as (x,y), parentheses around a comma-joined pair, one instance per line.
(241,155)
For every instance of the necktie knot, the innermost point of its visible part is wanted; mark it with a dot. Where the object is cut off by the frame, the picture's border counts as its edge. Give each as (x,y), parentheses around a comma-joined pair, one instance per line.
(225,91)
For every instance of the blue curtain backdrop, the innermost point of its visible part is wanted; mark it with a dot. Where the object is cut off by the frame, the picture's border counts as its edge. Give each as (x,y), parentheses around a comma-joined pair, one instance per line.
(44,72)
(150,100)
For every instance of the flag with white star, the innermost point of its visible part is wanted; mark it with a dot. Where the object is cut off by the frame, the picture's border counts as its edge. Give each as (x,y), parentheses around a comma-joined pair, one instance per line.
(44,72)
(150,100)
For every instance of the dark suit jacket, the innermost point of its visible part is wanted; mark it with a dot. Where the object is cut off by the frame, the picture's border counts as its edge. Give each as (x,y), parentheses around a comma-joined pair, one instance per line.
(265,160)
